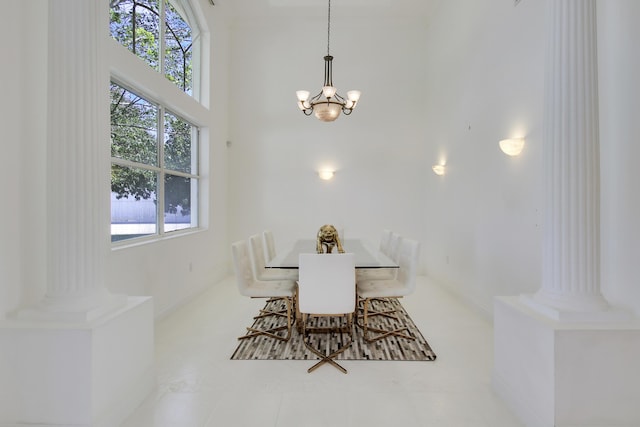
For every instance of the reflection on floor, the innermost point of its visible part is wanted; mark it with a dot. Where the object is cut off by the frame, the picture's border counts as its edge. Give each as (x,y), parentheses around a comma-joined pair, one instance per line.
(198,385)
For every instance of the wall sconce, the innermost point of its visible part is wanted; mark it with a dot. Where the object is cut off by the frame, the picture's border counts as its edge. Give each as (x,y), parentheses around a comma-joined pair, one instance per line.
(325,174)
(438,169)
(512,147)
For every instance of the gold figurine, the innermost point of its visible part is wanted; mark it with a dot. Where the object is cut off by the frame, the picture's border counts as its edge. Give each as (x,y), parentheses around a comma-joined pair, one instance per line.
(327,239)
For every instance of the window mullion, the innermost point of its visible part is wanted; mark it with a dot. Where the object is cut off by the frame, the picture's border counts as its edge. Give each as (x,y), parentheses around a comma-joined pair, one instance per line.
(161,173)
(131,164)
(163,24)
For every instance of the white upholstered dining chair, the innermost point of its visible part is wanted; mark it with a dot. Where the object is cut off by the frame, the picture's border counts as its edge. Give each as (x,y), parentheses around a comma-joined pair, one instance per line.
(260,269)
(249,286)
(385,241)
(269,245)
(395,241)
(326,288)
(379,273)
(403,285)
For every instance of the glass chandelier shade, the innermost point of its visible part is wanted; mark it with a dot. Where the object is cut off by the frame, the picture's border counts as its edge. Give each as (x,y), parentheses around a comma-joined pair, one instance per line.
(327,104)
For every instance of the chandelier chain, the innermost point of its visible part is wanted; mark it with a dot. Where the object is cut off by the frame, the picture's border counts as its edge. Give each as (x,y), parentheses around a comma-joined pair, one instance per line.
(328,27)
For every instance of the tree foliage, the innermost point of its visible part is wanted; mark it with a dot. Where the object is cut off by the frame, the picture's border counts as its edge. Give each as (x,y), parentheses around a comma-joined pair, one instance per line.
(135,24)
(134,121)
(134,137)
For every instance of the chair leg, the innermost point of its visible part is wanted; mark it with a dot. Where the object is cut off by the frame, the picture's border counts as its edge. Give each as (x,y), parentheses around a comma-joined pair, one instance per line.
(271,332)
(326,358)
(277,311)
(369,331)
(384,312)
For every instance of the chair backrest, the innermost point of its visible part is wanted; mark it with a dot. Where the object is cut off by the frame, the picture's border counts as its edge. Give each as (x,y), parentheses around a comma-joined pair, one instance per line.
(327,283)
(394,246)
(242,266)
(269,245)
(257,255)
(385,242)
(408,263)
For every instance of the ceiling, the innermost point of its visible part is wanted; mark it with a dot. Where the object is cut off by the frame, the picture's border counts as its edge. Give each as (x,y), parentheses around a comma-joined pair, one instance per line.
(345,8)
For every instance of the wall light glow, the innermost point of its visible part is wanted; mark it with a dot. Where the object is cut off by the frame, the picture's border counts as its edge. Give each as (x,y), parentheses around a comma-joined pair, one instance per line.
(325,174)
(512,147)
(438,169)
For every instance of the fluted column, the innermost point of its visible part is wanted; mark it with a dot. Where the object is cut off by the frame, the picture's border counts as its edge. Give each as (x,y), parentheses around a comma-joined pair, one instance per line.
(77,160)
(571,260)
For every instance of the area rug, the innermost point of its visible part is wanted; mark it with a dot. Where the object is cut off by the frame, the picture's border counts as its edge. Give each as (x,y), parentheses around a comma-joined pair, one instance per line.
(389,348)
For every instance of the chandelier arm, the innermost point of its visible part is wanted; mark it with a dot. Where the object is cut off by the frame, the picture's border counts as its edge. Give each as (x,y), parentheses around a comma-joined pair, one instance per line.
(340,99)
(315,98)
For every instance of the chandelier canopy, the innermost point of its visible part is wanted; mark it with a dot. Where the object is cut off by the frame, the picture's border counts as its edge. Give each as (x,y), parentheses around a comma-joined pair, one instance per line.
(327,104)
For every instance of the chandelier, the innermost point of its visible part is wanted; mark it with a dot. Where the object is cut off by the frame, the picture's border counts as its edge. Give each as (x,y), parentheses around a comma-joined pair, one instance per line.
(328,103)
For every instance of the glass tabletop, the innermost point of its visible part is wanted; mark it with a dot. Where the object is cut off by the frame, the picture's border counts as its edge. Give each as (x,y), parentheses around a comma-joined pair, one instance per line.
(367,256)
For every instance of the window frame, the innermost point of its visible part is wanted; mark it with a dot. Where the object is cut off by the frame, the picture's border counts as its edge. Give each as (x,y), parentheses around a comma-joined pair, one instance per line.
(133,74)
(161,170)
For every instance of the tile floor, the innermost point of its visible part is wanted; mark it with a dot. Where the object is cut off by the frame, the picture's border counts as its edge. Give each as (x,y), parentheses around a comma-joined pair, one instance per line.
(198,386)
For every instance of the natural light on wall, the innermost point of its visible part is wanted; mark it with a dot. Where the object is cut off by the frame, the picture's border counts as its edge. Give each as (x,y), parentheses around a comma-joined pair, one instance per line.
(512,147)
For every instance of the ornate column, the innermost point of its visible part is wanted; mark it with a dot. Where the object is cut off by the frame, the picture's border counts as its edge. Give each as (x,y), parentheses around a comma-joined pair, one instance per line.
(571,260)
(77,163)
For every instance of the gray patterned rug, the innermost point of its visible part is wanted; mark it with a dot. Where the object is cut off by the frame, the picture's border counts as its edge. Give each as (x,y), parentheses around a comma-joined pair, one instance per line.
(390,348)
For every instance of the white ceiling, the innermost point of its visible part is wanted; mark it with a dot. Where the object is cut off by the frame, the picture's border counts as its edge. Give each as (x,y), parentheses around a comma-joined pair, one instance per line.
(343,8)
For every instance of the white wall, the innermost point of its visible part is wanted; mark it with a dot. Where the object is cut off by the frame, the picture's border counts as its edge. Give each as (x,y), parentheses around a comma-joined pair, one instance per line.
(175,269)
(458,86)
(448,91)
(486,83)
(485,73)
(479,65)
(619,69)
(377,151)
(12,141)
(23,118)
(171,270)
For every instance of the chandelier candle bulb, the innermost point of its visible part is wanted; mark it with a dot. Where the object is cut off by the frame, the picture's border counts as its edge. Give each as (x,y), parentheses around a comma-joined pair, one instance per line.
(302,95)
(353,95)
(328,91)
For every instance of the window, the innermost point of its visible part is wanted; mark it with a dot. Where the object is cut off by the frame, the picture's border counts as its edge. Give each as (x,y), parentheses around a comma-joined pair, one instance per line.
(158,32)
(154,168)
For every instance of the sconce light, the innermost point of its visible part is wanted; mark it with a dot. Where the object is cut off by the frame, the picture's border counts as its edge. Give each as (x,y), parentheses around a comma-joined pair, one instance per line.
(512,147)
(438,169)
(325,174)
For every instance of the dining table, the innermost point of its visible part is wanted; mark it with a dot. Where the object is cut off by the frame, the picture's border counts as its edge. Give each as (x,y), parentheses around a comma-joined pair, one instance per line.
(367,255)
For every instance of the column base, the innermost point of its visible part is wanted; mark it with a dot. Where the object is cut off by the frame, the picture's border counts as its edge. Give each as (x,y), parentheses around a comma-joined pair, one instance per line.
(595,313)
(73,309)
(85,374)
(562,373)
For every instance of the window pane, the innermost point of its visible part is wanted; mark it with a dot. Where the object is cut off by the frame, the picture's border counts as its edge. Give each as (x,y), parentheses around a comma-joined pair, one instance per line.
(179,144)
(133,203)
(134,127)
(135,24)
(178,50)
(178,193)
